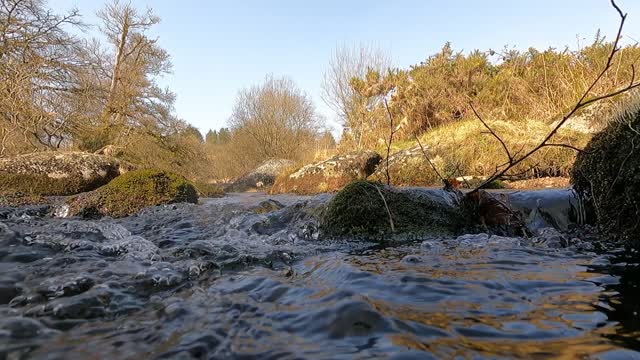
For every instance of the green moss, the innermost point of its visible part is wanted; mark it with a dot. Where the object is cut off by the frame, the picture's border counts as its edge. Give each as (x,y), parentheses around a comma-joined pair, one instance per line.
(473,183)
(133,191)
(43,185)
(359,210)
(607,175)
(208,190)
(19,199)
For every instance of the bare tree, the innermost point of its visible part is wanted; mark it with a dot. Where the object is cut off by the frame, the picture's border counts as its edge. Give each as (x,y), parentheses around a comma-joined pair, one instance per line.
(275,120)
(347,63)
(37,70)
(133,99)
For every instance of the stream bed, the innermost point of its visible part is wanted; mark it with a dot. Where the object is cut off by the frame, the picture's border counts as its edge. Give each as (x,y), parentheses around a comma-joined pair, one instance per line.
(246,277)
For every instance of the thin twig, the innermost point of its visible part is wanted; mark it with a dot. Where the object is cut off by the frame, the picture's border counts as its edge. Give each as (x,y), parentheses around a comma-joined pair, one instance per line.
(564,146)
(392,131)
(386,206)
(424,152)
(504,146)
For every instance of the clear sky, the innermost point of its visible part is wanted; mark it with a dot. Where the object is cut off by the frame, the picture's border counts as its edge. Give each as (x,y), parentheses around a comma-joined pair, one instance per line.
(220,47)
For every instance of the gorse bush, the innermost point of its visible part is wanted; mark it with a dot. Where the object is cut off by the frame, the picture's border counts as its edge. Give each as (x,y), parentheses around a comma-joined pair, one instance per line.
(513,86)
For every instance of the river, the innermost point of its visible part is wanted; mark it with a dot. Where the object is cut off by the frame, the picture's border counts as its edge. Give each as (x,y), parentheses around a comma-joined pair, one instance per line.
(246,277)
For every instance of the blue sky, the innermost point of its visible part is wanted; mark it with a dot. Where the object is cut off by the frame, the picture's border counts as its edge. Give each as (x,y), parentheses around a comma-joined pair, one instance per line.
(220,47)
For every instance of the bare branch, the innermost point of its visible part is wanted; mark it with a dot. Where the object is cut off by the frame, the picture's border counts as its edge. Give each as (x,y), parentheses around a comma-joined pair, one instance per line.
(568,146)
(426,156)
(581,103)
(386,206)
(392,132)
(504,146)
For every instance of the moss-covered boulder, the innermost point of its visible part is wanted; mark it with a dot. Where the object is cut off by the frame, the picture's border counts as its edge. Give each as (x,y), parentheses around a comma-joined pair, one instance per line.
(329,175)
(58,173)
(133,191)
(359,210)
(208,190)
(607,175)
(16,198)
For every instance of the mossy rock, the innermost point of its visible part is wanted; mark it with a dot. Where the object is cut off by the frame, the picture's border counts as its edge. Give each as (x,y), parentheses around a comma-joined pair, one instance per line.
(477,181)
(208,190)
(58,173)
(607,175)
(359,210)
(133,191)
(14,199)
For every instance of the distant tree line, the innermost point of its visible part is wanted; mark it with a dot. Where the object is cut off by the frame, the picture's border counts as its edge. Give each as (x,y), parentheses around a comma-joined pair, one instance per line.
(218,137)
(64,91)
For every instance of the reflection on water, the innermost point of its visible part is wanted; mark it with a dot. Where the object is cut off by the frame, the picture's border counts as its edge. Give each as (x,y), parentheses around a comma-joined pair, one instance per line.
(223,281)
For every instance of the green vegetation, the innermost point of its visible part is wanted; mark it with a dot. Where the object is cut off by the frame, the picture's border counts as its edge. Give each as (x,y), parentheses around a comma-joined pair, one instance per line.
(359,210)
(607,175)
(512,87)
(208,190)
(13,198)
(106,92)
(481,153)
(133,191)
(41,184)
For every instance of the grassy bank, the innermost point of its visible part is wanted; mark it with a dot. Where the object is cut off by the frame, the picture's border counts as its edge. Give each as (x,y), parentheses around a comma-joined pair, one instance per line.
(465,148)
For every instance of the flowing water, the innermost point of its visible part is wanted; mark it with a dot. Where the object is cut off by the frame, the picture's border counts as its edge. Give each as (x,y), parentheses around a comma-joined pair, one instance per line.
(246,277)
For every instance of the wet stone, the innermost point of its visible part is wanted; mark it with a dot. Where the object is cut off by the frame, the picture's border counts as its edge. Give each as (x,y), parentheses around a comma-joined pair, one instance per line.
(23,328)
(89,305)
(8,290)
(59,287)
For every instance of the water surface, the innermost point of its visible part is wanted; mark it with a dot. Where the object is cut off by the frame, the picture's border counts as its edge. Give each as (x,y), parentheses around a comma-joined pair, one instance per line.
(246,277)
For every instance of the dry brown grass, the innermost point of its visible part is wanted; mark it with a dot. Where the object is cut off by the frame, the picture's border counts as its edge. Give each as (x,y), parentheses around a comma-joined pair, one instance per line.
(464,148)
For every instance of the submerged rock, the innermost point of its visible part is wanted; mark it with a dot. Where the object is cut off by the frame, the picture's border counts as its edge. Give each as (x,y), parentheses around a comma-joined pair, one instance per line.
(607,175)
(329,175)
(132,192)
(261,177)
(58,173)
(362,209)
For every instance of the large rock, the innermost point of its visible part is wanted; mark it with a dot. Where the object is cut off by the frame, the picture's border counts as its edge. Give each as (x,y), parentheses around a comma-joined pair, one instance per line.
(58,173)
(607,175)
(329,175)
(261,177)
(17,198)
(133,191)
(365,209)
